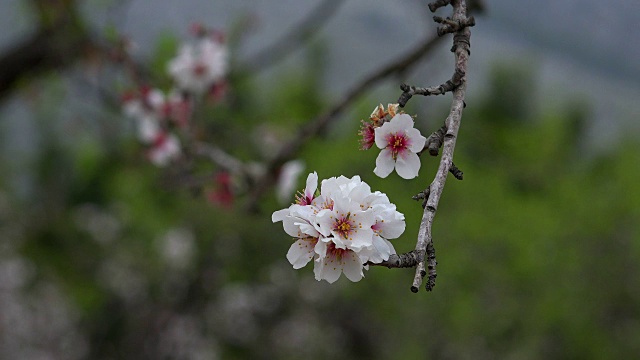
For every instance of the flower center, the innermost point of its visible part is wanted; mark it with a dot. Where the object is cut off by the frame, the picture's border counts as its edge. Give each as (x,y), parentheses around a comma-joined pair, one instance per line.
(398,144)
(199,69)
(346,227)
(334,253)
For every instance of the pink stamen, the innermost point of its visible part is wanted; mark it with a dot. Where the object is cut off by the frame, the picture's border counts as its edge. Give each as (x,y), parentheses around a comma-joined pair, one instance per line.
(398,143)
(200,69)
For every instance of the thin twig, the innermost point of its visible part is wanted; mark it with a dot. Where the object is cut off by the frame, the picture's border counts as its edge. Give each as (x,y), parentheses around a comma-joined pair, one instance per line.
(408,91)
(219,157)
(407,260)
(435,140)
(60,40)
(425,238)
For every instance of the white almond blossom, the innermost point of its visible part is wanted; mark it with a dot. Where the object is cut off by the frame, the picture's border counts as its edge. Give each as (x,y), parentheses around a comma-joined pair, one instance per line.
(198,66)
(165,149)
(399,142)
(341,228)
(146,107)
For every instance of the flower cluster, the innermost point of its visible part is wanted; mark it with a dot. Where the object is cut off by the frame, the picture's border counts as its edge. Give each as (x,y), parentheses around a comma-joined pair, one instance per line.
(202,65)
(393,132)
(154,113)
(198,67)
(341,228)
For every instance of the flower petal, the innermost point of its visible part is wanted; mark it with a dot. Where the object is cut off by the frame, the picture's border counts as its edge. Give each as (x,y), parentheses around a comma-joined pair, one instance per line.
(408,165)
(392,228)
(383,248)
(402,122)
(301,252)
(312,185)
(291,227)
(351,266)
(327,269)
(416,140)
(325,221)
(279,215)
(381,134)
(384,164)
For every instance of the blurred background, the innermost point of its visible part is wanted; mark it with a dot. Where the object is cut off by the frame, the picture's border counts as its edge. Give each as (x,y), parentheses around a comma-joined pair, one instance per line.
(105,256)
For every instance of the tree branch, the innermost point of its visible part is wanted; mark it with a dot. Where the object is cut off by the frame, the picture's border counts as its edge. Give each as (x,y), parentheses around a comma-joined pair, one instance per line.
(452,124)
(59,40)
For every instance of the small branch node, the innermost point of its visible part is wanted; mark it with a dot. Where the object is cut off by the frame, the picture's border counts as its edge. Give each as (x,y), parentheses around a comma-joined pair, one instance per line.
(435,140)
(438,4)
(423,195)
(451,25)
(457,173)
(407,92)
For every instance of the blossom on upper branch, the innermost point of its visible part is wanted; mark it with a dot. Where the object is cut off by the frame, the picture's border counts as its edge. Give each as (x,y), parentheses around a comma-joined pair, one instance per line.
(150,110)
(200,65)
(378,117)
(165,148)
(399,142)
(341,228)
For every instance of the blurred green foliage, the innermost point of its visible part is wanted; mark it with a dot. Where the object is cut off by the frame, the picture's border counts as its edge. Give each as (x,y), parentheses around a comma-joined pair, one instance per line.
(537,247)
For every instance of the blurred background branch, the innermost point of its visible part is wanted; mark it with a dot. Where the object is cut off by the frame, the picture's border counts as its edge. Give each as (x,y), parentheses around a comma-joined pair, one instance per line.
(59,40)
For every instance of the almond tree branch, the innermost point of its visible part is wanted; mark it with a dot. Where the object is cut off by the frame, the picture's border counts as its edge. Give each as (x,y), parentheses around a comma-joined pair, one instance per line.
(406,260)
(452,124)
(318,124)
(59,40)
(219,157)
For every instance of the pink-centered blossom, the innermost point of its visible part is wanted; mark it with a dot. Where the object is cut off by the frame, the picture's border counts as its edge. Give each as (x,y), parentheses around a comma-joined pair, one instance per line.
(399,142)
(164,149)
(199,65)
(341,228)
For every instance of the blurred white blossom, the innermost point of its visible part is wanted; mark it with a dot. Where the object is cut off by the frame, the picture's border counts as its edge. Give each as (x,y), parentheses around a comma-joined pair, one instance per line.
(199,65)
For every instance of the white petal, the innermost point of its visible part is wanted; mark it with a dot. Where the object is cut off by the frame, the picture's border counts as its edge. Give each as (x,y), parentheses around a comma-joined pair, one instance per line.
(148,128)
(416,139)
(402,122)
(384,164)
(279,215)
(300,253)
(351,266)
(360,192)
(291,228)
(330,270)
(393,225)
(325,221)
(408,165)
(381,134)
(312,184)
(321,248)
(362,237)
(383,249)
